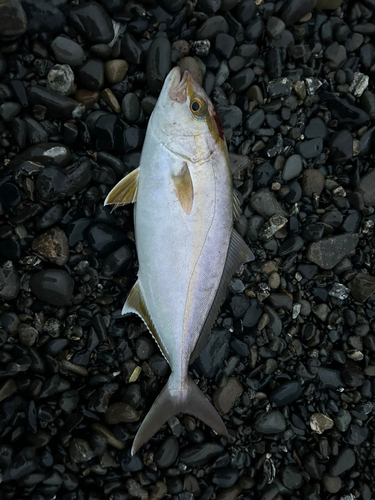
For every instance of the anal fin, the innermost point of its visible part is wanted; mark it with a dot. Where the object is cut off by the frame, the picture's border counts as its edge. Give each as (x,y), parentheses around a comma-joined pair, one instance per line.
(125,191)
(238,253)
(136,304)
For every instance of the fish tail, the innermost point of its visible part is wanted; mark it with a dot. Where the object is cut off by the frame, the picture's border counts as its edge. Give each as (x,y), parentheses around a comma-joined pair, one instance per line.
(174,399)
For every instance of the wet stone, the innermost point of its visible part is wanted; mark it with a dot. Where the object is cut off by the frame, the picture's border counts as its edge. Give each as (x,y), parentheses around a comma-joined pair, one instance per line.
(224,45)
(312,181)
(255,121)
(341,146)
(343,462)
(265,204)
(91,74)
(69,401)
(105,239)
(158,63)
(67,51)
(52,286)
(366,188)
(43,17)
(201,454)
(131,50)
(80,451)
(253,314)
(116,70)
(10,281)
(242,80)
(294,10)
(27,335)
(292,167)
(331,484)
(225,477)
(286,393)
(328,252)
(212,27)
(121,412)
(224,398)
(167,453)
(362,286)
(92,21)
(310,149)
(272,422)
(316,128)
(13,21)
(215,352)
(9,110)
(52,246)
(280,87)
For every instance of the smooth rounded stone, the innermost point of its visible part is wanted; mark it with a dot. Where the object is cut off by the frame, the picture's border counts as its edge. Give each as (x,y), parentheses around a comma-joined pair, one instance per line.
(7,388)
(87,97)
(167,453)
(212,27)
(336,55)
(200,454)
(121,412)
(131,49)
(69,400)
(105,239)
(10,281)
(132,139)
(316,128)
(347,114)
(254,29)
(310,149)
(215,352)
(92,21)
(43,17)
(35,132)
(9,110)
(110,99)
(80,451)
(280,301)
(294,10)
(356,435)
(242,80)
(13,20)
(293,244)
(328,252)
(116,261)
(253,314)
(67,51)
(190,64)
(52,286)
(160,491)
(57,105)
(225,477)
(61,79)
(130,463)
(91,74)
(343,462)
(312,182)
(144,347)
(286,393)
(158,63)
(341,146)
(331,484)
(224,45)
(239,305)
(52,246)
(366,188)
(272,422)
(230,116)
(368,103)
(291,477)
(292,167)
(115,70)
(225,397)
(362,286)
(275,26)
(27,335)
(265,204)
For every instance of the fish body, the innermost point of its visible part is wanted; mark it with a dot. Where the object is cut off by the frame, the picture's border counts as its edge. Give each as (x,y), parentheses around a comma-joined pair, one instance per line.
(186,245)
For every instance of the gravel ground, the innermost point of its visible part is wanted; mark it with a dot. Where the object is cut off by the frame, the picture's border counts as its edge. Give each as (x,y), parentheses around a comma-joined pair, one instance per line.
(290,363)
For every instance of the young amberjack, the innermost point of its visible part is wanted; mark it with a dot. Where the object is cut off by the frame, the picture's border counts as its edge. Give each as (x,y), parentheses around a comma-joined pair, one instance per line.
(187,247)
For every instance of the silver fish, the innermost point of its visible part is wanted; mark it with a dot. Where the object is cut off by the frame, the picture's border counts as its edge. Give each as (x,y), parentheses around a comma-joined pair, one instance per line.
(187,247)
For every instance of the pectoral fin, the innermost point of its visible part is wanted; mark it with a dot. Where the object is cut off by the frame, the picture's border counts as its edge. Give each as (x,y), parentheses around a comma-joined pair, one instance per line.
(125,191)
(238,253)
(183,186)
(136,304)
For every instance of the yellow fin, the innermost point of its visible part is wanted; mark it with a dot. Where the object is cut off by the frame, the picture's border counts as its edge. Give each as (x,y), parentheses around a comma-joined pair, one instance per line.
(136,304)
(125,191)
(183,186)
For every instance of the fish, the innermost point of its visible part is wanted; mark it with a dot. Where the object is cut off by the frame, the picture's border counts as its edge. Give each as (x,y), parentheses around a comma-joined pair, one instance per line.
(187,247)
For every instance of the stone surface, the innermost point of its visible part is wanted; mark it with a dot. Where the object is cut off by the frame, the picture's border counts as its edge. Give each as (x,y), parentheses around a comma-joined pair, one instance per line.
(328,252)
(225,398)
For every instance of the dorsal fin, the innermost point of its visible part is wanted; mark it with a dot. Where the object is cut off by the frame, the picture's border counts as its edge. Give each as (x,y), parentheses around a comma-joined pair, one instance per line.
(183,186)
(236,206)
(125,191)
(238,253)
(136,304)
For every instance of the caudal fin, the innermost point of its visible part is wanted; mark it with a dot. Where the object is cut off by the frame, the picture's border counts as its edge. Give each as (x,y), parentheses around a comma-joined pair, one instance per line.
(170,402)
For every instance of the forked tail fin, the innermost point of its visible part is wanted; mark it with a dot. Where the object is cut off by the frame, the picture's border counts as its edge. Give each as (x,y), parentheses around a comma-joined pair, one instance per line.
(172,401)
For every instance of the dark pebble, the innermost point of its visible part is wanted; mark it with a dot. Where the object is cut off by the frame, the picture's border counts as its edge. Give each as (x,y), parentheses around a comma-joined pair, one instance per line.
(91,74)
(158,63)
(286,393)
(201,454)
(167,453)
(92,21)
(53,286)
(272,422)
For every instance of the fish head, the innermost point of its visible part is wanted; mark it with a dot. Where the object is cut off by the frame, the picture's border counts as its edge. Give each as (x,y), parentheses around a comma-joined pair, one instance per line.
(185,120)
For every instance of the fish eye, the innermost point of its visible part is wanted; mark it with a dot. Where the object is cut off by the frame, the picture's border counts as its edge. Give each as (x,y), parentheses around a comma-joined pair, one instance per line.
(198,106)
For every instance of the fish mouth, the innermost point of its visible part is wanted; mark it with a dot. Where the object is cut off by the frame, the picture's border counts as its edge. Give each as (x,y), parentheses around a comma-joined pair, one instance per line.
(178,88)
